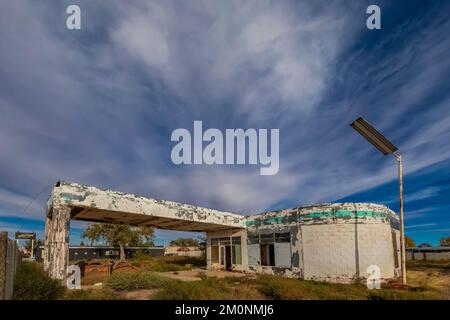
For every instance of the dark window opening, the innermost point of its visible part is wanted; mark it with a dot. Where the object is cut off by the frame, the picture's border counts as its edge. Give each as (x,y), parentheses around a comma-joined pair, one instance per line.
(283,237)
(228,257)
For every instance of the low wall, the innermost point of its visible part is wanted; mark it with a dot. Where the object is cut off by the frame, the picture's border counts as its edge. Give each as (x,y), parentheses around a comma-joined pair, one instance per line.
(10,259)
(428,254)
(183,251)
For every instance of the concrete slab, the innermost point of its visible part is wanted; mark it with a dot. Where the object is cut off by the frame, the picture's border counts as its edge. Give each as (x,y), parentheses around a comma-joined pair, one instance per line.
(89,203)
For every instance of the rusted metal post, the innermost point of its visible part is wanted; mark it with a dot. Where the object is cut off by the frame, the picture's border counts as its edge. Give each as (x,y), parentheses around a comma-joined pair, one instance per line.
(402,223)
(57,249)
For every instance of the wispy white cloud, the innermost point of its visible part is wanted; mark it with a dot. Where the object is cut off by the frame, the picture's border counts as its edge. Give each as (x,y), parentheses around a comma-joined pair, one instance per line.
(421,225)
(98,106)
(422,194)
(439,230)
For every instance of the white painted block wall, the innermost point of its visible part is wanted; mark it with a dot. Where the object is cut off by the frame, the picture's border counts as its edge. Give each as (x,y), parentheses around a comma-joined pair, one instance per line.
(330,251)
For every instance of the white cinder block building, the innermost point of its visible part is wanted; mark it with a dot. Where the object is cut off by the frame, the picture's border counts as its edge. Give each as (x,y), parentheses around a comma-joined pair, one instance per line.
(331,242)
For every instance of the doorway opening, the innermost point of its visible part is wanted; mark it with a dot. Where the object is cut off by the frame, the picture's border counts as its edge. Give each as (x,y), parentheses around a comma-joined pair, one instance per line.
(267,254)
(225,257)
(228,257)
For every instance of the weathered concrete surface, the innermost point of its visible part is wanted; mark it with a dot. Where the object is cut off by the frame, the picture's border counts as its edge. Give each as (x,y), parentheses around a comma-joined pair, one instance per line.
(56,255)
(92,204)
(324,214)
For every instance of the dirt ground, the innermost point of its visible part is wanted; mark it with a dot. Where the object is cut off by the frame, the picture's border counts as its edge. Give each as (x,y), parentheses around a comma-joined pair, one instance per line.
(197,274)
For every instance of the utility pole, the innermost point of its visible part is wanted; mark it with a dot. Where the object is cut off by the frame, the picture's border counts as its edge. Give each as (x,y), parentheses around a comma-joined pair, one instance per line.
(402,223)
(386,147)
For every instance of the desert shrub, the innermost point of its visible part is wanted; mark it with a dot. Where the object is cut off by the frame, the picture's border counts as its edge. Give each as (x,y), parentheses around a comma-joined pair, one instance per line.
(32,283)
(141,255)
(166,265)
(140,280)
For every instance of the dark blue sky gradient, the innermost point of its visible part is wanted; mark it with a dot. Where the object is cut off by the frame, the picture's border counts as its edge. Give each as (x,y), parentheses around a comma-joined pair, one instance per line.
(97,106)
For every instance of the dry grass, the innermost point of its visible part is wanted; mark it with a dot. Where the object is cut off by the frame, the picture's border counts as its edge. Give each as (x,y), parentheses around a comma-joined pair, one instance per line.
(91,294)
(32,283)
(138,280)
(432,275)
(278,288)
(94,277)
(209,289)
(427,280)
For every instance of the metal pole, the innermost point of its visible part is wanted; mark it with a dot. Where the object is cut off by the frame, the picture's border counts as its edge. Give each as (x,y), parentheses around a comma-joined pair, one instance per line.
(402,223)
(32,250)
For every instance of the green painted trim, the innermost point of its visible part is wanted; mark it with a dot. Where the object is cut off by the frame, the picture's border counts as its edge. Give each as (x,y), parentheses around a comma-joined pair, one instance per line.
(69,197)
(320,215)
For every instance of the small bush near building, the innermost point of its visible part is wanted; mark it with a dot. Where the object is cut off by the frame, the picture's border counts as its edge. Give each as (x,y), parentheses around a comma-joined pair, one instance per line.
(195,261)
(139,280)
(32,283)
(169,264)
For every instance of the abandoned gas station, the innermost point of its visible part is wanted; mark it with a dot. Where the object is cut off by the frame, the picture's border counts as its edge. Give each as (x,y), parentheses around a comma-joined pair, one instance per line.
(331,242)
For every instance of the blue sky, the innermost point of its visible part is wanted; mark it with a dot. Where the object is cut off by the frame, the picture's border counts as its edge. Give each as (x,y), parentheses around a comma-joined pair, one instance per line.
(97,105)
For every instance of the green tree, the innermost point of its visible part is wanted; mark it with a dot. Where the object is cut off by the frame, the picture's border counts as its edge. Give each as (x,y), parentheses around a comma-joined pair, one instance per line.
(409,242)
(120,235)
(184,242)
(444,242)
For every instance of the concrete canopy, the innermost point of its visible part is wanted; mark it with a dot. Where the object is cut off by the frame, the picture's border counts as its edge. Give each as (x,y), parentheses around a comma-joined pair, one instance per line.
(89,203)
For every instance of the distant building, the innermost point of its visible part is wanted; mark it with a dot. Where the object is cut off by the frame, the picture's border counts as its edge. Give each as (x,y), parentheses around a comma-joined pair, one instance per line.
(424,245)
(428,253)
(104,252)
(184,251)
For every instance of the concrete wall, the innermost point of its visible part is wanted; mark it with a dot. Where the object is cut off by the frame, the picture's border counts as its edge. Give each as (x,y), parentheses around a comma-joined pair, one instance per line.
(342,252)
